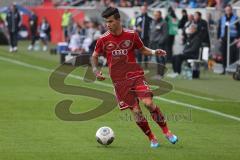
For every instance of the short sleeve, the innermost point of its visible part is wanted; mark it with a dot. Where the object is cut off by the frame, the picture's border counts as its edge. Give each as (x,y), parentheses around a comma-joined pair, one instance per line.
(137,41)
(99,47)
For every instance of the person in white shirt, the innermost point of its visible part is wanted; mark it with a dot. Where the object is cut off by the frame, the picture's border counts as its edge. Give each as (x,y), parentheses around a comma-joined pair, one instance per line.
(44,33)
(75,42)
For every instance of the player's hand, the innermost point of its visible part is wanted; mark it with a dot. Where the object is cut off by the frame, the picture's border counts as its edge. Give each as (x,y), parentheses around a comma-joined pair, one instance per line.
(160,52)
(99,76)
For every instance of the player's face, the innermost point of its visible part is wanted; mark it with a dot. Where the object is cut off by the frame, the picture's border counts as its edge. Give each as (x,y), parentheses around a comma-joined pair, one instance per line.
(112,24)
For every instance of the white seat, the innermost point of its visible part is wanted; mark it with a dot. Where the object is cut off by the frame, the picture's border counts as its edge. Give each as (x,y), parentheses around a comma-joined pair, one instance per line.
(196,63)
(202,57)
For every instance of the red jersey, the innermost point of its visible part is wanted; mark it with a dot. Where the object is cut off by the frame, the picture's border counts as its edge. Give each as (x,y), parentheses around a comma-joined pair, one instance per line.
(119,51)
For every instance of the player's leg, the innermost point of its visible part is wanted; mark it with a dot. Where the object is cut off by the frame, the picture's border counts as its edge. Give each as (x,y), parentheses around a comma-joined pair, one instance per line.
(127,99)
(142,123)
(159,118)
(156,114)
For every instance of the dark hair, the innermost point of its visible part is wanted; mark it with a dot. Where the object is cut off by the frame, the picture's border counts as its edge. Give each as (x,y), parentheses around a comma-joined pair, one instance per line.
(171,12)
(111,11)
(199,13)
(228,5)
(160,12)
(184,11)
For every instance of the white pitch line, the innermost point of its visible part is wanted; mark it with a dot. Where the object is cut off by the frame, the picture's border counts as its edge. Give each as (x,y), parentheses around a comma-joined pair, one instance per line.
(25,64)
(97,82)
(199,108)
(192,95)
(206,98)
(202,97)
(109,85)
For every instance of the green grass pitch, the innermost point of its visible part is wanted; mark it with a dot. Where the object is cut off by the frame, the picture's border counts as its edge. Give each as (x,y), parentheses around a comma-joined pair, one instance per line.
(30,130)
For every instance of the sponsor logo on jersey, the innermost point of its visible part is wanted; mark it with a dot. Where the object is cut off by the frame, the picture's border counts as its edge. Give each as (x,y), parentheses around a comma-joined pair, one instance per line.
(109,46)
(120,52)
(125,44)
(145,83)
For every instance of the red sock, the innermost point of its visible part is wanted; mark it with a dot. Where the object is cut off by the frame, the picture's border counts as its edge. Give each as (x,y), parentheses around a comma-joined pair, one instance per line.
(158,117)
(143,124)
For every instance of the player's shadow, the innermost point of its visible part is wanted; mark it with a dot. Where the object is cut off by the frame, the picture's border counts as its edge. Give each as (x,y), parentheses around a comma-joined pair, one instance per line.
(110,147)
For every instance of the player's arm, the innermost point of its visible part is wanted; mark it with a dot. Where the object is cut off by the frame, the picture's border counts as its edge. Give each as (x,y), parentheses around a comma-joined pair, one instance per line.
(147,51)
(94,62)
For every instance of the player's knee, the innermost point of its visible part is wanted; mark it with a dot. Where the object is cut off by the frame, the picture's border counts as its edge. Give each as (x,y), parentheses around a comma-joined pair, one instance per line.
(147,102)
(136,111)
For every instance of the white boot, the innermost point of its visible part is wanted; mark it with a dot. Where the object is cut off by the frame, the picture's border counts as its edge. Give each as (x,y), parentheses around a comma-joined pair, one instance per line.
(30,47)
(10,49)
(45,48)
(15,49)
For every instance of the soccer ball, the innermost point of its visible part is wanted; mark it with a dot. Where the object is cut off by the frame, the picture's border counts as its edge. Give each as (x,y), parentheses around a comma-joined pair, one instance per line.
(105,135)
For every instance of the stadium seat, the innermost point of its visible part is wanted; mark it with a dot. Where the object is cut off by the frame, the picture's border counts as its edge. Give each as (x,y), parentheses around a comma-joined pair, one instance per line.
(196,63)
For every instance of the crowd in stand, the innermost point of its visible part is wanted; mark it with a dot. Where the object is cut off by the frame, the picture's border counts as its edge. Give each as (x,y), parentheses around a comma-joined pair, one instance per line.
(120,3)
(81,36)
(131,3)
(13,22)
(161,32)
(156,32)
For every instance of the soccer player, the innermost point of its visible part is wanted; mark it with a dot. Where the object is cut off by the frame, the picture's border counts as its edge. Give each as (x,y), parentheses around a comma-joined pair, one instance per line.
(118,45)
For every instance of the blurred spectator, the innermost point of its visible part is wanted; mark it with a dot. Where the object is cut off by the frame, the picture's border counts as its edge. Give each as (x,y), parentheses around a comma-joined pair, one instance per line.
(44,32)
(189,22)
(203,3)
(124,3)
(78,35)
(143,26)
(13,23)
(183,3)
(172,22)
(2,23)
(132,21)
(93,33)
(210,20)
(238,44)
(158,37)
(183,20)
(211,3)
(137,3)
(75,41)
(131,3)
(182,23)
(224,3)
(106,3)
(211,25)
(96,33)
(190,51)
(196,3)
(202,26)
(228,20)
(192,4)
(33,22)
(82,31)
(66,20)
